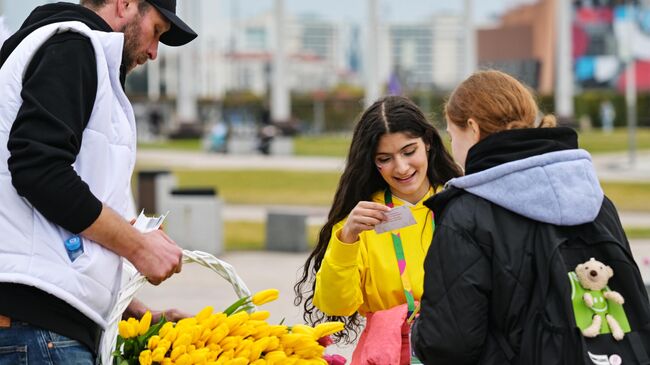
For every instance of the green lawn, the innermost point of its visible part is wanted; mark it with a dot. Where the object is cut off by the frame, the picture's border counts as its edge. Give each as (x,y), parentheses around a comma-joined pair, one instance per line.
(265,186)
(174,144)
(317,188)
(328,145)
(250,235)
(628,196)
(240,236)
(637,233)
(617,141)
(337,145)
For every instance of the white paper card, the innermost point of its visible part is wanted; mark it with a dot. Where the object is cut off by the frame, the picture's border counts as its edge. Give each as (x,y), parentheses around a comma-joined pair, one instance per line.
(397,218)
(146,224)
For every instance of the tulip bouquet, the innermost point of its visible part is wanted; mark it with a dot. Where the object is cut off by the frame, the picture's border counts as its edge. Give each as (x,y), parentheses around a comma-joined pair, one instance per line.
(230,337)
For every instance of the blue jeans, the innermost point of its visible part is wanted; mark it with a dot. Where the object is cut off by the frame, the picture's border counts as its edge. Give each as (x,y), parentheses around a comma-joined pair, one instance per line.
(23,344)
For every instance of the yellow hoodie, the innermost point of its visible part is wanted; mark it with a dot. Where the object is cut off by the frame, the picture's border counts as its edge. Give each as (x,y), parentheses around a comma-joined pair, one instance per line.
(363,276)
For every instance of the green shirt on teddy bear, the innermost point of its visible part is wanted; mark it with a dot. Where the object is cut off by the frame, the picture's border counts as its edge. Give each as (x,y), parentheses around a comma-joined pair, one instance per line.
(584,314)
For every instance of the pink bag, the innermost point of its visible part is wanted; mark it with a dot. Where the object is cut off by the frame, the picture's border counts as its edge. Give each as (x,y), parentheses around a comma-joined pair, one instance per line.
(385,340)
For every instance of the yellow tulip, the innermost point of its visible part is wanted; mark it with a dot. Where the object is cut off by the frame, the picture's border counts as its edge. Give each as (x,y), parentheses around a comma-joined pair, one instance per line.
(184,359)
(227,355)
(153,342)
(230,343)
(145,357)
(199,356)
(275,356)
(244,330)
(145,323)
(265,296)
(328,328)
(204,314)
(158,354)
(236,320)
(125,329)
(166,344)
(260,315)
(167,361)
(218,334)
(182,340)
(171,335)
(135,323)
(186,323)
(258,347)
(177,351)
(304,329)
(274,343)
(165,329)
(278,330)
(239,361)
(214,320)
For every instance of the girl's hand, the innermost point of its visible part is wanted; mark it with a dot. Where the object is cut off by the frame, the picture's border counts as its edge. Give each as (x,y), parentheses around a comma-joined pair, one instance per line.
(365,216)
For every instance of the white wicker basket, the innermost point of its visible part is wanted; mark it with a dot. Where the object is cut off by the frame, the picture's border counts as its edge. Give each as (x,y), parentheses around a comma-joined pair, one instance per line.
(224,269)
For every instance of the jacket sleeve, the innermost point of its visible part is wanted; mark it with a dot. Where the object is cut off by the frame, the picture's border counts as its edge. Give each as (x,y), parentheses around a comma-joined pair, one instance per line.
(339,279)
(59,89)
(452,326)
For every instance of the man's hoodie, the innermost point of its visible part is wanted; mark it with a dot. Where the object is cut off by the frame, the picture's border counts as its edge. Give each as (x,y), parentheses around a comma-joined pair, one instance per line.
(48,14)
(59,89)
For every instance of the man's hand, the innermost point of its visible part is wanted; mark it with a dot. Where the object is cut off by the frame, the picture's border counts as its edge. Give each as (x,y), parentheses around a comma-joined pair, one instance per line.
(158,258)
(137,309)
(154,254)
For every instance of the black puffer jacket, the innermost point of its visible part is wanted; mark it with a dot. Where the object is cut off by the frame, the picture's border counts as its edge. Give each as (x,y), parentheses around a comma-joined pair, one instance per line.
(478,276)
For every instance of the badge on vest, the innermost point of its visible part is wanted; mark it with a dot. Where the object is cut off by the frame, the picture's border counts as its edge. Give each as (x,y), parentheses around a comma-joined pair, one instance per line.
(74,247)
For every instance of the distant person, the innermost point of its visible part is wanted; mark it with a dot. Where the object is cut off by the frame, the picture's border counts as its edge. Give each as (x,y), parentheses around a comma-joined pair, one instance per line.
(497,287)
(155,121)
(607,115)
(266,131)
(66,161)
(396,159)
(218,137)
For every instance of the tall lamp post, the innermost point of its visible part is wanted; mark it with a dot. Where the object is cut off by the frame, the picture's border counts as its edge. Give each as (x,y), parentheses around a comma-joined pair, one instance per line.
(280,101)
(470,40)
(564,75)
(371,55)
(630,84)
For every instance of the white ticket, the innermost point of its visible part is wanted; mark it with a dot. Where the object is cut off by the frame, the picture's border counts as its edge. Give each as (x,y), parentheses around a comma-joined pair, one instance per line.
(397,218)
(147,224)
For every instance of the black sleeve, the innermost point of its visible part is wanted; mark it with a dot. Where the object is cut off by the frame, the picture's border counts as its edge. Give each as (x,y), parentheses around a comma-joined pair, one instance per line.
(452,326)
(59,90)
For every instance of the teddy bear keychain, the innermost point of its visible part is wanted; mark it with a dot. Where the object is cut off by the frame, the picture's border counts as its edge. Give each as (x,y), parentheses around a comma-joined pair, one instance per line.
(593,276)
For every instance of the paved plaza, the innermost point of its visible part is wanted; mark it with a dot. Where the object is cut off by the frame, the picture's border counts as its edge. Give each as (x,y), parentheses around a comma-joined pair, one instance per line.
(197,286)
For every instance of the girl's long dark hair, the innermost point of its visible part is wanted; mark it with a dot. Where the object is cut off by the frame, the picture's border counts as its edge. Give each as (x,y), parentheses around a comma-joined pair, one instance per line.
(361,179)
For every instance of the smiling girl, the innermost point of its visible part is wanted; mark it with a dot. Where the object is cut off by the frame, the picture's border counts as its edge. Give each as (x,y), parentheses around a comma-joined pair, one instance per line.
(396,158)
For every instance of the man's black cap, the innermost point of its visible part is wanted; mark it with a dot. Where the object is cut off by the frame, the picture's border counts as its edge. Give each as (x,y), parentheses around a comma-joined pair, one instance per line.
(179,33)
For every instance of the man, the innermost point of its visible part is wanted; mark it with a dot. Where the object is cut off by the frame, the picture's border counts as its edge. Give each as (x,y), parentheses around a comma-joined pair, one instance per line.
(67,151)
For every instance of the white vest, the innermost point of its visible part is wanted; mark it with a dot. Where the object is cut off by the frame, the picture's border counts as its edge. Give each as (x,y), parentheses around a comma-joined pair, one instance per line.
(32,248)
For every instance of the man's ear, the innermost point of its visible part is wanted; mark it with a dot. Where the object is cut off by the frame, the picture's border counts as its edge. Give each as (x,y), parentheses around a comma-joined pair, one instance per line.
(476,131)
(124,6)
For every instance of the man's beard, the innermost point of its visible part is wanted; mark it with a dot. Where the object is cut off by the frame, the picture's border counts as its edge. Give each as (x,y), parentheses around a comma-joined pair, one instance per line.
(131,45)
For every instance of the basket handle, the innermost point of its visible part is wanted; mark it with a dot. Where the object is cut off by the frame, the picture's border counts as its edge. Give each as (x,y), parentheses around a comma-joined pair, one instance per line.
(131,287)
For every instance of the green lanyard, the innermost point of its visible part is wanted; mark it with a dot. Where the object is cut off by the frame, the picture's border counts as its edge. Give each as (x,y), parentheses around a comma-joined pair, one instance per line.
(401,258)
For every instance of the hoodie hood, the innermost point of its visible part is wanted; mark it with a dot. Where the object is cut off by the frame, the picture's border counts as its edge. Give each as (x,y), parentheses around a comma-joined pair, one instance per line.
(558,187)
(48,14)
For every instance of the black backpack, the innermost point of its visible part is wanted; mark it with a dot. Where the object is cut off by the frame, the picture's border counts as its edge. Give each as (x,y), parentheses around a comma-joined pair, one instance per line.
(551,335)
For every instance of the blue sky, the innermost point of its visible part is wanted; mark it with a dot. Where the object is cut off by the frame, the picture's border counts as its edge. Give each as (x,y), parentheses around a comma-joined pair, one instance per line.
(389,10)
(348,10)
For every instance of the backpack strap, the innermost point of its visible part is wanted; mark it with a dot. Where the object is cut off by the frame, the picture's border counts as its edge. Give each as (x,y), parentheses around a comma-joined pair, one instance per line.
(638,348)
(503,343)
